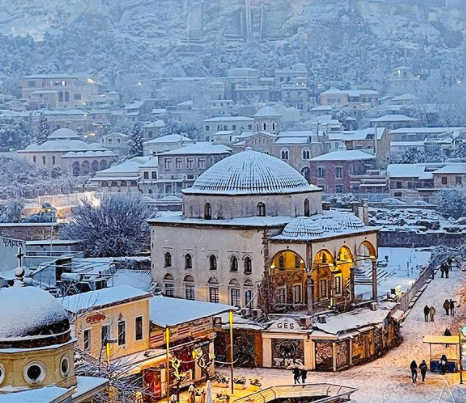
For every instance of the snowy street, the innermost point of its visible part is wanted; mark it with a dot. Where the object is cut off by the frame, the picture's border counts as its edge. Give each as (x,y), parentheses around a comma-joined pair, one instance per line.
(388,378)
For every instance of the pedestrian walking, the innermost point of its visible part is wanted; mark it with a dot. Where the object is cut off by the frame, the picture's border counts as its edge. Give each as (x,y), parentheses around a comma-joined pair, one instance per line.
(423,369)
(446,306)
(426,313)
(303,375)
(296,374)
(413,367)
(452,307)
(432,313)
(442,270)
(447,269)
(447,333)
(443,364)
(450,263)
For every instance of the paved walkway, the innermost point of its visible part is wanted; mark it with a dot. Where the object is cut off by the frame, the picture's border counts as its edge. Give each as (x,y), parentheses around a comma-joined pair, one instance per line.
(388,379)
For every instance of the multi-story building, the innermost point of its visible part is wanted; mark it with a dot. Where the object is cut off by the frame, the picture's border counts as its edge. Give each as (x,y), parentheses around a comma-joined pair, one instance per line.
(165,143)
(53,91)
(224,123)
(65,150)
(341,171)
(350,98)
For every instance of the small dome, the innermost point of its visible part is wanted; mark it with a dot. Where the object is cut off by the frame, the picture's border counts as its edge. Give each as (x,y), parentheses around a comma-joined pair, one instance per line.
(30,314)
(63,133)
(329,224)
(351,221)
(250,172)
(302,227)
(267,112)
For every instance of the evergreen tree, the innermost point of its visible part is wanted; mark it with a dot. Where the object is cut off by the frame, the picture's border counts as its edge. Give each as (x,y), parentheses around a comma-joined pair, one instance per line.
(43,131)
(135,141)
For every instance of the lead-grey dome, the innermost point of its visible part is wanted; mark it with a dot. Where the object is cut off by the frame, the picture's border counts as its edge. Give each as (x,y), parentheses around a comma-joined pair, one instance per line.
(250,172)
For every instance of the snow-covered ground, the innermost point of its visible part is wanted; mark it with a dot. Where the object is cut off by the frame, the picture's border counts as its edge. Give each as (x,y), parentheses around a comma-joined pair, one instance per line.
(387,380)
(403,268)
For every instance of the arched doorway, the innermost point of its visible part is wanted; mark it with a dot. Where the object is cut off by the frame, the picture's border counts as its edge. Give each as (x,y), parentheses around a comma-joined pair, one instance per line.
(288,281)
(323,271)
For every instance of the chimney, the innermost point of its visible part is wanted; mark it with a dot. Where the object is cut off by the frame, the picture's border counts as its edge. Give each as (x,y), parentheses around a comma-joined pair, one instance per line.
(354,207)
(365,211)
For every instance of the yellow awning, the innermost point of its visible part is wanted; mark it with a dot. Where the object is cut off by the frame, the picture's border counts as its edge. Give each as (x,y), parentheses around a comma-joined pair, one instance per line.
(441,339)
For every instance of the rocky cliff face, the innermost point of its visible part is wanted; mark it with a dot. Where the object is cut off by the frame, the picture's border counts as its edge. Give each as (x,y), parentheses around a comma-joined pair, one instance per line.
(342,41)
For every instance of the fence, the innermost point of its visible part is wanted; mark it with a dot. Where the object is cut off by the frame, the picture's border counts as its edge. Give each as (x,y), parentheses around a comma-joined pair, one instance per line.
(406,298)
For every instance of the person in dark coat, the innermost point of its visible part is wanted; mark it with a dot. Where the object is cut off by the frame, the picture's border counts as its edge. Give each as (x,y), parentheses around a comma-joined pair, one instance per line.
(442,270)
(296,374)
(447,270)
(432,313)
(423,369)
(447,333)
(452,307)
(413,367)
(446,306)
(443,364)
(450,263)
(303,376)
(426,313)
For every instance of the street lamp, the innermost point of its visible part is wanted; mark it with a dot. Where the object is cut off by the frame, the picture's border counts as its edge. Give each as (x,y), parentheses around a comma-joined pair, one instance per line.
(462,346)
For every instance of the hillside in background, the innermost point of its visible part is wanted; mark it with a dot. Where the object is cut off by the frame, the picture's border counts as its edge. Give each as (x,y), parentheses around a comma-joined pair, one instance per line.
(342,42)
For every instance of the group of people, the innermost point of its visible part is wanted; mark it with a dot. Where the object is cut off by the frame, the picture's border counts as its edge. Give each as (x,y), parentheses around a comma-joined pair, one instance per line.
(449,306)
(422,368)
(429,312)
(446,267)
(299,373)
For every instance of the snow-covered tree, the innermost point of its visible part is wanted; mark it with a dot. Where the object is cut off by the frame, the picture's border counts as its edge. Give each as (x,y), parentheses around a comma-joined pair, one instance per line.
(11,211)
(135,148)
(452,203)
(43,131)
(412,156)
(110,225)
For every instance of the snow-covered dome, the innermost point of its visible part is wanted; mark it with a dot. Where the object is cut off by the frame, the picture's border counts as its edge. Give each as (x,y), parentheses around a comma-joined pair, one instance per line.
(302,227)
(349,220)
(329,224)
(250,172)
(30,315)
(267,112)
(63,133)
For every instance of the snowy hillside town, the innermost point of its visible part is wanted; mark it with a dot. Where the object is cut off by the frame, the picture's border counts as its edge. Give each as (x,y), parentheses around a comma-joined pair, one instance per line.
(240,201)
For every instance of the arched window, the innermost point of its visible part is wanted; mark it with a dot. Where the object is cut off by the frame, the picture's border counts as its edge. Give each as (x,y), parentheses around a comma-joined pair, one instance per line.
(169,285)
(189,287)
(284,154)
(188,261)
(207,211)
(235,292)
(247,298)
(233,263)
(103,164)
(150,191)
(53,159)
(247,265)
(213,262)
(95,165)
(306,154)
(168,259)
(134,183)
(265,126)
(261,209)
(76,168)
(113,183)
(306,208)
(122,183)
(281,262)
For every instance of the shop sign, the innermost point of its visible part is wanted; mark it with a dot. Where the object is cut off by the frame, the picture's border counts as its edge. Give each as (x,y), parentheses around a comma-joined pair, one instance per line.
(285,325)
(95,318)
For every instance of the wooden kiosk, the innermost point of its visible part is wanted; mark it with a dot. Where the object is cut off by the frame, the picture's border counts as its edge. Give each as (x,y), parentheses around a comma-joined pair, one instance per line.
(448,345)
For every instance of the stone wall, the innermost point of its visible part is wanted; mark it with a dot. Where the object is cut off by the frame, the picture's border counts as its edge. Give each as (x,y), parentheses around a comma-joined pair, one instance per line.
(412,239)
(29,231)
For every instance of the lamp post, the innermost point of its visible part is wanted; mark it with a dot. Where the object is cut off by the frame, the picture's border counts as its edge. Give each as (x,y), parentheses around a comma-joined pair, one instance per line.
(231,349)
(374,277)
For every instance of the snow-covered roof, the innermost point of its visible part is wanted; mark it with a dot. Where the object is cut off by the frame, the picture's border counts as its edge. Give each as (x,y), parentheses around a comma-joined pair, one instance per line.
(354,135)
(405,97)
(267,112)
(204,147)
(140,279)
(451,169)
(295,133)
(169,138)
(26,310)
(393,118)
(326,224)
(61,145)
(63,133)
(102,298)
(405,170)
(129,166)
(48,76)
(250,172)
(229,119)
(426,130)
(117,134)
(292,140)
(155,124)
(152,163)
(344,155)
(48,394)
(165,311)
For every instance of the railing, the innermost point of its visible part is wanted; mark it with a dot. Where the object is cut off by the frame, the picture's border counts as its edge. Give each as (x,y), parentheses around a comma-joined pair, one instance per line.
(406,298)
(324,392)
